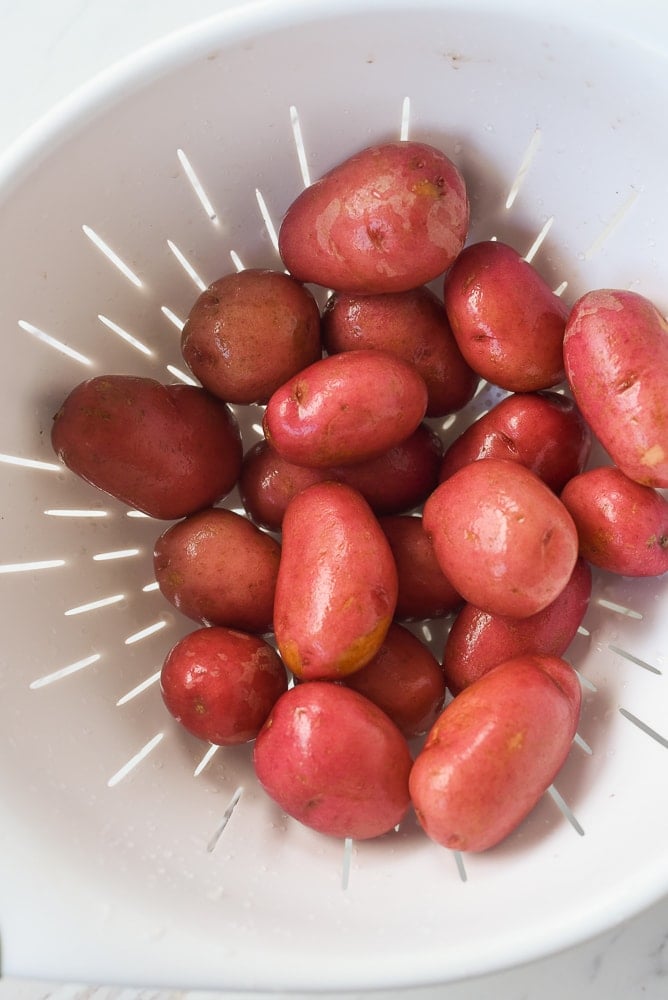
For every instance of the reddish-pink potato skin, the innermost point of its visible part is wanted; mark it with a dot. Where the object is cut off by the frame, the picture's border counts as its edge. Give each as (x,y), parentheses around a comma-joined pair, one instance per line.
(543,430)
(221,684)
(622,526)
(494,751)
(505,541)
(248,332)
(616,358)
(166,450)
(507,321)
(412,325)
(424,590)
(479,641)
(334,761)
(337,586)
(387,219)
(345,409)
(218,568)
(404,679)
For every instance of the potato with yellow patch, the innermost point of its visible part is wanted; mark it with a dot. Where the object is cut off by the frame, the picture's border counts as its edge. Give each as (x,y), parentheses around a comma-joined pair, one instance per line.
(336,590)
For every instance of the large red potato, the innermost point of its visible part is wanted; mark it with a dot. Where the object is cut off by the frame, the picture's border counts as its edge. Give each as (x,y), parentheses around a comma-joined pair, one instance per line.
(166,450)
(622,526)
(616,358)
(424,590)
(334,761)
(494,750)
(389,218)
(508,322)
(505,541)
(336,590)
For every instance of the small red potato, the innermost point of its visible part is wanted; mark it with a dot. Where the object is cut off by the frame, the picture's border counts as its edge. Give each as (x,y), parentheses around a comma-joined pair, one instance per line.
(389,218)
(543,430)
(267,484)
(412,325)
(345,409)
(336,590)
(424,590)
(218,568)
(479,641)
(505,541)
(508,322)
(404,679)
(334,761)
(221,684)
(616,358)
(249,332)
(166,450)
(622,526)
(494,750)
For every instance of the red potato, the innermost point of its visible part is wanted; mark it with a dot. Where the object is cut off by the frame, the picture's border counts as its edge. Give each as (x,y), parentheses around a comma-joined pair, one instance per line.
(334,761)
(412,325)
(404,679)
(502,537)
(166,450)
(389,218)
(622,526)
(479,641)
(507,321)
(218,568)
(494,750)
(336,590)
(221,684)
(616,358)
(249,332)
(345,409)
(543,430)
(424,590)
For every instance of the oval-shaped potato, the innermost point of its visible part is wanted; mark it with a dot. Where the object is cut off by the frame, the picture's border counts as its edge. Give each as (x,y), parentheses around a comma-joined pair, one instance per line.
(479,641)
(389,218)
(543,430)
(508,322)
(616,358)
(166,450)
(345,409)
(494,751)
(622,526)
(336,590)
(404,679)
(334,761)
(218,568)
(424,589)
(502,537)
(412,325)
(221,684)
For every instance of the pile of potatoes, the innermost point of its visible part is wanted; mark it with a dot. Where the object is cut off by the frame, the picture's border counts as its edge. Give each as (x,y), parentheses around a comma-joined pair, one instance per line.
(359,520)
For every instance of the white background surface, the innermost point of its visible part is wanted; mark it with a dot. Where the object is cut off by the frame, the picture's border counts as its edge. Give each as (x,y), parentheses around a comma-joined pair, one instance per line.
(47,49)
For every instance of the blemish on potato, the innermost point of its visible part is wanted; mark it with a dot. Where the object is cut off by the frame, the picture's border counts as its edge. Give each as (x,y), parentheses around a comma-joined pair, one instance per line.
(653,455)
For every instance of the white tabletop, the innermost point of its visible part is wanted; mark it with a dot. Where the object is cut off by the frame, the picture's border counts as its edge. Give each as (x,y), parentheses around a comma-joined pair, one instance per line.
(48,48)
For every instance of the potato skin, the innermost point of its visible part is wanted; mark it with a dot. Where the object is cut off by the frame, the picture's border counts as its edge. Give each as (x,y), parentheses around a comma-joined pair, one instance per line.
(622,526)
(616,358)
(218,568)
(345,409)
(412,325)
(166,450)
(248,332)
(543,430)
(502,537)
(479,641)
(424,590)
(507,321)
(494,751)
(336,590)
(387,219)
(334,761)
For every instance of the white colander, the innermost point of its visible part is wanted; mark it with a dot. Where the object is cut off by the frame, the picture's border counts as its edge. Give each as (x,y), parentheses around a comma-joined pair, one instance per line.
(130,852)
